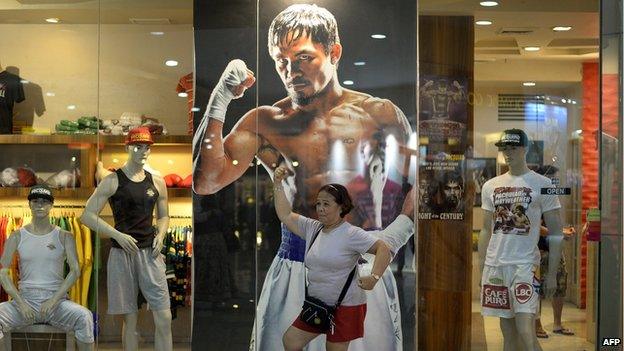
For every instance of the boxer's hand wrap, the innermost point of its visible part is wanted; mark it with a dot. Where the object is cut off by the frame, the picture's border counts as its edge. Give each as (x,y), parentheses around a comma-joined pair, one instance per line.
(397,233)
(233,75)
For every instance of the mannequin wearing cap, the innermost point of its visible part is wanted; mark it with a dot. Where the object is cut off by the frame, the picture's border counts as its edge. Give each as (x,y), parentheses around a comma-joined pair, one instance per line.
(42,296)
(513,206)
(135,261)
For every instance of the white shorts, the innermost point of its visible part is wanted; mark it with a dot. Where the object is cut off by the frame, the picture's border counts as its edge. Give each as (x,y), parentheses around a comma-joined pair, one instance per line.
(67,315)
(507,290)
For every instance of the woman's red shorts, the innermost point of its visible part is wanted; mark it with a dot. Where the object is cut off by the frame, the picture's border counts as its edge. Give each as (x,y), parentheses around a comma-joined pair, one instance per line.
(349,324)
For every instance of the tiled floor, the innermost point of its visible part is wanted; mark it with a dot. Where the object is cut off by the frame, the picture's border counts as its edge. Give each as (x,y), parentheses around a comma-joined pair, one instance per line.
(573,318)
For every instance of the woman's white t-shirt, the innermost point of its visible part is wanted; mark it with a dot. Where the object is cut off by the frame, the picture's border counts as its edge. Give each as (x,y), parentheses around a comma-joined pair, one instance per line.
(331,258)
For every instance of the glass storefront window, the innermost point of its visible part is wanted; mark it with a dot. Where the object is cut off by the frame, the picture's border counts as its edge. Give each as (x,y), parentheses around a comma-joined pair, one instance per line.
(75,79)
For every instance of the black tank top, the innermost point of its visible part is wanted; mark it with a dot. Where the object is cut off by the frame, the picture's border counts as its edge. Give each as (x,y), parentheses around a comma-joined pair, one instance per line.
(133,208)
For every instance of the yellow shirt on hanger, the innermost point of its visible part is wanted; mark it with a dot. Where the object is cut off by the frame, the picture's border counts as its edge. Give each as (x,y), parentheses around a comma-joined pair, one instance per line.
(85,276)
(74,292)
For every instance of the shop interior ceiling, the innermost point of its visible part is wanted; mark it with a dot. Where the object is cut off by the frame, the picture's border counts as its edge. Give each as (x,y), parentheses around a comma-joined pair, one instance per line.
(499,55)
(500,58)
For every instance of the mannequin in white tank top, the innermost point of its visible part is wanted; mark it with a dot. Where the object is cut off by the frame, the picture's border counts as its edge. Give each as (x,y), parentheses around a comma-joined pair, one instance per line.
(42,294)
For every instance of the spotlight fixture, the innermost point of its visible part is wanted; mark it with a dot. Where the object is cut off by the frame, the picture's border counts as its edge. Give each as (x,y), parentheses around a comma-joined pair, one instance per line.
(483,23)
(531,48)
(171,63)
(378,36)
(561,28)
(53,20)
(529,84)
(488,3)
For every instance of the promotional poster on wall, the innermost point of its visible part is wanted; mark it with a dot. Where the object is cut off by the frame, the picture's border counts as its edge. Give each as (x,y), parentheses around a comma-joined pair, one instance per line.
(444,110)
(330,97)
(441,188)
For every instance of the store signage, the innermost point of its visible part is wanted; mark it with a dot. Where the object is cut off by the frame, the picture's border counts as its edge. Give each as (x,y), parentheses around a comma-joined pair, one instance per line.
(556,191)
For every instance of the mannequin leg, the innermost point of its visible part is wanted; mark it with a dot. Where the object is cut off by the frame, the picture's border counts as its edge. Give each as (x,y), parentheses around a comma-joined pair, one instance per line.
(84,346)
(162,338)
(525,327)
(129,336)
(510,335)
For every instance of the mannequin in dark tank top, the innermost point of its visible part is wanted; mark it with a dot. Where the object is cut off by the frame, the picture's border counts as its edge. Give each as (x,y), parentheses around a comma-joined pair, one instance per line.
(133,194)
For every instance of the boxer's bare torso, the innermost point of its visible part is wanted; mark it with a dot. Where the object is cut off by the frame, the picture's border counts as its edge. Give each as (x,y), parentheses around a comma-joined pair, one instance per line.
(328,144)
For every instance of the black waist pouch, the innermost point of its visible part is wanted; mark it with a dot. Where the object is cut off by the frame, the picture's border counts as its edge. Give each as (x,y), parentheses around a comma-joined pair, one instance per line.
(317,314)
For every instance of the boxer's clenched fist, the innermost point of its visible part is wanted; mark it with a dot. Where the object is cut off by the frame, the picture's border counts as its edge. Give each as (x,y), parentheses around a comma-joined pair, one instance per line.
(280,174)
(236,78)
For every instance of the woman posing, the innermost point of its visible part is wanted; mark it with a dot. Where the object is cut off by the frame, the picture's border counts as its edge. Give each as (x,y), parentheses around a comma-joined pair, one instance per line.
(333,247)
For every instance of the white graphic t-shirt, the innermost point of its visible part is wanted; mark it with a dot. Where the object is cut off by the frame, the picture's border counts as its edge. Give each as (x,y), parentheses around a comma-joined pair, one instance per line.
(517,204)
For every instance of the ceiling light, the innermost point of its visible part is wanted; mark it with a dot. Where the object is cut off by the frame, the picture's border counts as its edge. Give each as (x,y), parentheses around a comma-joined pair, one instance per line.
(348,82)
(483,23)
(561,28)
(157,33)
(71,107)
(378,36)
(50,94)
(24,81)
(53,20)
(359,63)
(529,84)
(171,63)
(182,94)
(532,48)
(488,3)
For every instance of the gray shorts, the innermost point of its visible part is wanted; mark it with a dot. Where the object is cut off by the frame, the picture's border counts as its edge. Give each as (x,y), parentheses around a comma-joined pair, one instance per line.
(67,315)
(127,273)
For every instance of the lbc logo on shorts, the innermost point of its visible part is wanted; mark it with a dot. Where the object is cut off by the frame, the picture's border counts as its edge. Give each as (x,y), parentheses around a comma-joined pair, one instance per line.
(495,296)
(523,292)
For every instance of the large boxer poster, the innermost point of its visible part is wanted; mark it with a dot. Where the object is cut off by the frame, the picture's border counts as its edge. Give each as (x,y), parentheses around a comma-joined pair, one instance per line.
(328,95)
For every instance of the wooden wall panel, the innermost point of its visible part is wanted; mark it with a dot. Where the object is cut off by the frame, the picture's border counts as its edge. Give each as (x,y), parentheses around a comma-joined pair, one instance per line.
(446,49)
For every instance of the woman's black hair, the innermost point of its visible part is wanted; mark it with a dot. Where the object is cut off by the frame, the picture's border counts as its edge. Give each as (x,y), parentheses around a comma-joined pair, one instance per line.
(340,195)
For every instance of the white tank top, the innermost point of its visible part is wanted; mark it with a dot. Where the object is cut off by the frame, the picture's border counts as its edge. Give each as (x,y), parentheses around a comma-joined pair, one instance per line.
(41,260)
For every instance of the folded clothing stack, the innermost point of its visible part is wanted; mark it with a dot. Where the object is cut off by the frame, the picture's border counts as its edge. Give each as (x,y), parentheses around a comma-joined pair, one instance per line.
(84,125)
(18,177)
(130,120)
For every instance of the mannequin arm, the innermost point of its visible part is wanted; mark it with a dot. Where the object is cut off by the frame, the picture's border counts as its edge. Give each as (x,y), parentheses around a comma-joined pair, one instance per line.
(7,257)
(162,214)
(74,272)
(91,215)
(484,237)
